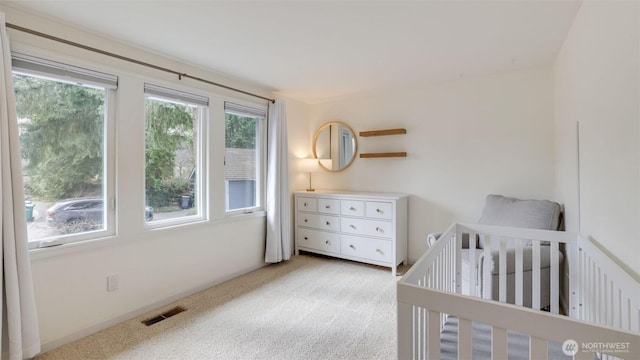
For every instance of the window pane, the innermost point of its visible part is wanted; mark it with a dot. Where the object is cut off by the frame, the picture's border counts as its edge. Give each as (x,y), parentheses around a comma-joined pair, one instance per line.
(241,161)
(171,158)
(62,142)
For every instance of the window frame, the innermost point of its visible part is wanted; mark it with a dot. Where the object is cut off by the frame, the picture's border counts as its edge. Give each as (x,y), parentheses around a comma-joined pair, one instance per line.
(202,147)
(109,138)
(261,156)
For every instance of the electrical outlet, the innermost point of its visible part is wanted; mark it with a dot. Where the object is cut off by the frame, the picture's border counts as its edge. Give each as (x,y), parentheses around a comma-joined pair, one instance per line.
(113,282)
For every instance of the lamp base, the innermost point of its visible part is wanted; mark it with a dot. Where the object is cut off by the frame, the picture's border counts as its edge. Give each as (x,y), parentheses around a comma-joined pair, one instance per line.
(310,188)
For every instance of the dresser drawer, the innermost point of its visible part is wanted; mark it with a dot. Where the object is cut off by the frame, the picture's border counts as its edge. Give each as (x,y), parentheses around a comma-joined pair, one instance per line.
(367,227)
(307,204)
(318,240)
(324,222)
(329,206)
(359,226)
(352,207)
(379,210)
(372,249)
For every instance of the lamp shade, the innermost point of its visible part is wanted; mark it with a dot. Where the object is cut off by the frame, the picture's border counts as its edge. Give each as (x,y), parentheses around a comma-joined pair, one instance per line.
(309,165)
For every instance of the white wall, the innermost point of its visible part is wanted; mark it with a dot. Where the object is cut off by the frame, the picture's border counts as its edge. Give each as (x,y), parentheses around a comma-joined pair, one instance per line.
(465,139)
(154,266)
(597,83)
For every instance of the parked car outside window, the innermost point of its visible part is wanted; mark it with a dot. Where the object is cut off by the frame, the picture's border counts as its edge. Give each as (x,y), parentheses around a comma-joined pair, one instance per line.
(81,214)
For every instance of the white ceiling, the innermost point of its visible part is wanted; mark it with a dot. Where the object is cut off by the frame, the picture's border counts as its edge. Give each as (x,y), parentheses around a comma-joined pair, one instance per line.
(320,50)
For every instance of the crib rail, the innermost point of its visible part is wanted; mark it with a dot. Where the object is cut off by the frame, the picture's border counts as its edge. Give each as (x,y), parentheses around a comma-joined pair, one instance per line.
(504,248)
(433,289)
(606,294)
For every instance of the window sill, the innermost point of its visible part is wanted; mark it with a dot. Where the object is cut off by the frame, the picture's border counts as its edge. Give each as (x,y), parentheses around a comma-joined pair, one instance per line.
(239,215)
(71,247)
(116,240)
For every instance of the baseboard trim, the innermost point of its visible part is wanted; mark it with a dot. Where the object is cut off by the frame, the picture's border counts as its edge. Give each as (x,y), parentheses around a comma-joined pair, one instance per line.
(56,343)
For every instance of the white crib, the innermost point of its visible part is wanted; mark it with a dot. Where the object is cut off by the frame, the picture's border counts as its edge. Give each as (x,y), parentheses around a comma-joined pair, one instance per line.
(437,318)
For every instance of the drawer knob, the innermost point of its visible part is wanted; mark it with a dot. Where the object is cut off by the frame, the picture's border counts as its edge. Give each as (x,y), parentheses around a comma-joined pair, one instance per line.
(328,223)
(305,204)
(352,208)
(328,242)
(379,251)
(378,229)
(306,238)
(378,210)
(352,226)
(353,247)
(327,206)
(306,220)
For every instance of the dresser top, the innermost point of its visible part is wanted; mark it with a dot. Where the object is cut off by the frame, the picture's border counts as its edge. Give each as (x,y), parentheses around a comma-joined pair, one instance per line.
(351,193)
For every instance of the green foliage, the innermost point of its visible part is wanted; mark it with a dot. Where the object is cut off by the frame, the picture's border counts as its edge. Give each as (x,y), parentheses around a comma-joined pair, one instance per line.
(62,141)
(168,192)
(62,131)
(240,132)
(169,132)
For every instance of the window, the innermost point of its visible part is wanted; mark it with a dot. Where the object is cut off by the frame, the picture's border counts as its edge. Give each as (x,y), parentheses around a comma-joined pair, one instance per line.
(244,157)
(63,124)
(173,154)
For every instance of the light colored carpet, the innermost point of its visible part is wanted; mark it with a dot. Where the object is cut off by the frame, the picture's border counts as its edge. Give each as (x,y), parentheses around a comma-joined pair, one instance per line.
(306,308)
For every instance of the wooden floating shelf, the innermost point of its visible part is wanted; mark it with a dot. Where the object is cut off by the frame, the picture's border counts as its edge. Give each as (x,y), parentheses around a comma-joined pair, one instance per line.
(383,155)
(383,132)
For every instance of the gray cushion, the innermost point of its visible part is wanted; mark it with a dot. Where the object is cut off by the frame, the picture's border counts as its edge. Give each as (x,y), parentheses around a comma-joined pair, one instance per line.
(535,214)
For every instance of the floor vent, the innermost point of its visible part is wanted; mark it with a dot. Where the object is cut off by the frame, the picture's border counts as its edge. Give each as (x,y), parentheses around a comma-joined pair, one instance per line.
(165,315)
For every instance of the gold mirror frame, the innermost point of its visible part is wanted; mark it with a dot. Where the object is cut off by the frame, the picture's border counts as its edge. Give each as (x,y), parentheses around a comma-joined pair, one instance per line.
(321,131)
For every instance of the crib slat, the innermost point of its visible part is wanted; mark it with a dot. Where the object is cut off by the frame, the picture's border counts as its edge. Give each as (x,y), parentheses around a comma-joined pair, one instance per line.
(555,278)
(465,344)
(620,311)
(405,333)
(421,333)
(625,314)
(575,274)
(581,273)
(585,287)
(598,295)
(502,276)
(608,300)
(436,277)
(519,268)
(486,269)
(590,287)
(433,335)
(538,348)
(499,344)
(458,264)
(535,279)
(472,265)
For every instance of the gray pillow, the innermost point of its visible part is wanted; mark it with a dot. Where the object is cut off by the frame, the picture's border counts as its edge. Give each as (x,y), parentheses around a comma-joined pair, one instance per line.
(506,211)
(535,214)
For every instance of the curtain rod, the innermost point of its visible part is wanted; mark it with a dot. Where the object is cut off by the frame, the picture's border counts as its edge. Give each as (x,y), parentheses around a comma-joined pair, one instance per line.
(103,52)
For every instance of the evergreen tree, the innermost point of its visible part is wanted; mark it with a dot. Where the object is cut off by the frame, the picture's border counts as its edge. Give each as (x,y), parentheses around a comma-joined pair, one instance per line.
(62,132)
(169,130)
(240,132)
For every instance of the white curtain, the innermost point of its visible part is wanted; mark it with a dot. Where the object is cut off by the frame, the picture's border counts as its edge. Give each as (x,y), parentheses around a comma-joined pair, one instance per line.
(278,245)
(20,333)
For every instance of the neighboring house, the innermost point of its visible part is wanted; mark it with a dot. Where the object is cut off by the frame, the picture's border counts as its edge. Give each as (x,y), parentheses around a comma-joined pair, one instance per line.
(240,178)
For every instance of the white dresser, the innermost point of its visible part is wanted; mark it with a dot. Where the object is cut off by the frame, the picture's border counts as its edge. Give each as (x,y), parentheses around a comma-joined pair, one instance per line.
(365,227)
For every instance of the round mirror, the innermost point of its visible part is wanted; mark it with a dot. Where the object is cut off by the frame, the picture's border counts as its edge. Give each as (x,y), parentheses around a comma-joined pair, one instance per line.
(335,146)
